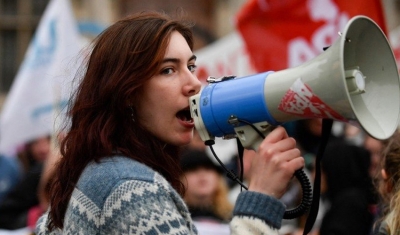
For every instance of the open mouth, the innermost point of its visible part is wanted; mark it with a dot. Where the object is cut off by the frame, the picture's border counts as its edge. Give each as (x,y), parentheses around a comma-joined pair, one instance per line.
(184,115)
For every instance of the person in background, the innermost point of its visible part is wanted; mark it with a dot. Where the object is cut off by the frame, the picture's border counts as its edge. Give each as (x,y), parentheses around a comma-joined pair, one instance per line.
(119,172)
(206,192)
(375,147)
(48,171)
(10,174)
(347,189)
(307,133)
(19,209)
(389,187)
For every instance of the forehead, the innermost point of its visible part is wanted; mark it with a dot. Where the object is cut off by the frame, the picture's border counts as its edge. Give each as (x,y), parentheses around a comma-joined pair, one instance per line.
(178,46)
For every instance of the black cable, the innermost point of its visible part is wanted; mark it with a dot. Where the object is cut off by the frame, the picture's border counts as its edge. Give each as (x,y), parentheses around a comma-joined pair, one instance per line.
(300,175)
(252,126)
(306,201)
(230,174)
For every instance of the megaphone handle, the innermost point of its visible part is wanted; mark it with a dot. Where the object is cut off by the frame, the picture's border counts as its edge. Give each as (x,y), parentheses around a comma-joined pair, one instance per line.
(251,136)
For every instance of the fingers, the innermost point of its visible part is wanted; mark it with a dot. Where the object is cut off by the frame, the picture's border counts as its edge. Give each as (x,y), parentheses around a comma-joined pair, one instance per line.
(274,163)
(297,163)
(277,147)
(276,135)
(288,161)
(287,155)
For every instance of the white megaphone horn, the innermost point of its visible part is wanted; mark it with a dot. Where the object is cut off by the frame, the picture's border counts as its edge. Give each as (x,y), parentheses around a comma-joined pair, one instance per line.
(355,81)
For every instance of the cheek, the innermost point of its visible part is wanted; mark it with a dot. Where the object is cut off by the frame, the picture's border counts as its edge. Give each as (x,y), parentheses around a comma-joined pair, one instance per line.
(214,180)
(147,111)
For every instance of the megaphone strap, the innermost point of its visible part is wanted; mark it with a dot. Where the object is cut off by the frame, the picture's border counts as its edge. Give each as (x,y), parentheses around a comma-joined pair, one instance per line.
(326,131)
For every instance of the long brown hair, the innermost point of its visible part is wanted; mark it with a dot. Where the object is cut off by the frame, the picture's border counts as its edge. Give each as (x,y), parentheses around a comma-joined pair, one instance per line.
(123,58)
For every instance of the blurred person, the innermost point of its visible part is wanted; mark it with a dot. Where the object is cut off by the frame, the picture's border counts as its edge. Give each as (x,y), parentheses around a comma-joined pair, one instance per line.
(353,134)
(48,171)
(19,209)
(347,188)
(389,187)
(375,147)
(35,151)
(10,174)
(307,133)
(119,171)
(206,192)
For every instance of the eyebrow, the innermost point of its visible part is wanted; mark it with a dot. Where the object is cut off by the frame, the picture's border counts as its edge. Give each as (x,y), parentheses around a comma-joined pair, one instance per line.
(176,60)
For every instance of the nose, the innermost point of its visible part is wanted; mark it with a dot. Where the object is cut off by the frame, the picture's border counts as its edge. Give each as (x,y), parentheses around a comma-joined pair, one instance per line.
(193,86)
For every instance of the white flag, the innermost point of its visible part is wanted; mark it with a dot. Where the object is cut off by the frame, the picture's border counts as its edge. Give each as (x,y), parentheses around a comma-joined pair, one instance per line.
(43,82)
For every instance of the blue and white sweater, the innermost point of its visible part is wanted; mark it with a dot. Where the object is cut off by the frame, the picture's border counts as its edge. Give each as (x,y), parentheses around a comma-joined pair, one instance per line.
(122,196)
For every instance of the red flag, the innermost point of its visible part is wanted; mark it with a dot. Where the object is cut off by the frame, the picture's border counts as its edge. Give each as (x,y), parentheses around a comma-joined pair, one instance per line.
(282,34)
(395,43)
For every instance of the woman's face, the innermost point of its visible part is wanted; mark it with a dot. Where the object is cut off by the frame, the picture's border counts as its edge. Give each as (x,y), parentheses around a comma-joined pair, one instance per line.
(163,108)
(40,148)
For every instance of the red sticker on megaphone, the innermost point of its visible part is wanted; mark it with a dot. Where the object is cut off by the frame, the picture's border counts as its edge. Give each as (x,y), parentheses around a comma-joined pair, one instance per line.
(300,100)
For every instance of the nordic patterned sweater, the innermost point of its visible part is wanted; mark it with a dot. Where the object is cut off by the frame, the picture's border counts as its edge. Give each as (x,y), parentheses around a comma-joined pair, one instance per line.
(122,196)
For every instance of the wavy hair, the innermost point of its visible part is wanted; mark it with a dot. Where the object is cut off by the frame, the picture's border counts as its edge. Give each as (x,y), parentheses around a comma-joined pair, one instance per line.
(391,200)
(122,59)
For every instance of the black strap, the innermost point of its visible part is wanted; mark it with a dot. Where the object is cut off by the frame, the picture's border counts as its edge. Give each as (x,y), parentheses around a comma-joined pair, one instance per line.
(326,132)
(240,149)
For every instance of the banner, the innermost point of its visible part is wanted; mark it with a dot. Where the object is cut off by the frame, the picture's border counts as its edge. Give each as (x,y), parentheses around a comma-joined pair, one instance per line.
(43,83)
(394,38)
(281,34)
(225,57)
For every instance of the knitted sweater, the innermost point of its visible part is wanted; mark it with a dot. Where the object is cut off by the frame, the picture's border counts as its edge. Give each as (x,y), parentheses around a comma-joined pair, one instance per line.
(122,196)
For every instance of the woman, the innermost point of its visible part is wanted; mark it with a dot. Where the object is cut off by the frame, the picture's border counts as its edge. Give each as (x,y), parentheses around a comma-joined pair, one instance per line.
(119,172)
(389,187)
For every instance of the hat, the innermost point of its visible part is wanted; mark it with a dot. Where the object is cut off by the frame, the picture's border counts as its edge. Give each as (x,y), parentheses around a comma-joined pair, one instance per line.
(192,159)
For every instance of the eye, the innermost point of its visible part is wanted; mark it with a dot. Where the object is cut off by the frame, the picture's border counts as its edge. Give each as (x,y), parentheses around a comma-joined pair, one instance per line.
(192,68)
(167,71)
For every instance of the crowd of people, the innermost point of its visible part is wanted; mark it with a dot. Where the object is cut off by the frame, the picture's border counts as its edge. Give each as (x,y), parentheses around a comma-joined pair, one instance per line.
(20,205)
(129,164)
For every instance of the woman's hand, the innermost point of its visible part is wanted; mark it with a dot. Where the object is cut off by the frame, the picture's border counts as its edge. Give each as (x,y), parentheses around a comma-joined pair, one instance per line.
(274,164)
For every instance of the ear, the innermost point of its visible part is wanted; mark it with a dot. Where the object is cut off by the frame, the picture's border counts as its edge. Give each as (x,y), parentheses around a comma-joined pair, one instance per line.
(384,175)
(388,183)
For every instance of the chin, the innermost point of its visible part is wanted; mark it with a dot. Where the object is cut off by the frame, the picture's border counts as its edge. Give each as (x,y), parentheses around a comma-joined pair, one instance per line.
(178,141)
(184,140)
(176,138)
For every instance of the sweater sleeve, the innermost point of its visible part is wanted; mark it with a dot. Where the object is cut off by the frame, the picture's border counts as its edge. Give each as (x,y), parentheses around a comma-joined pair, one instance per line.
(256,213)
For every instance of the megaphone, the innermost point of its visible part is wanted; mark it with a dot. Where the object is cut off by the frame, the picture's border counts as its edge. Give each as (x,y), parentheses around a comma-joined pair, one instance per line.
(355,81)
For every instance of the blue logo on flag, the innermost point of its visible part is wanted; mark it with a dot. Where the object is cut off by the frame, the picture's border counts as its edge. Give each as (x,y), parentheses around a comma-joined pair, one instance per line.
(42,52)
